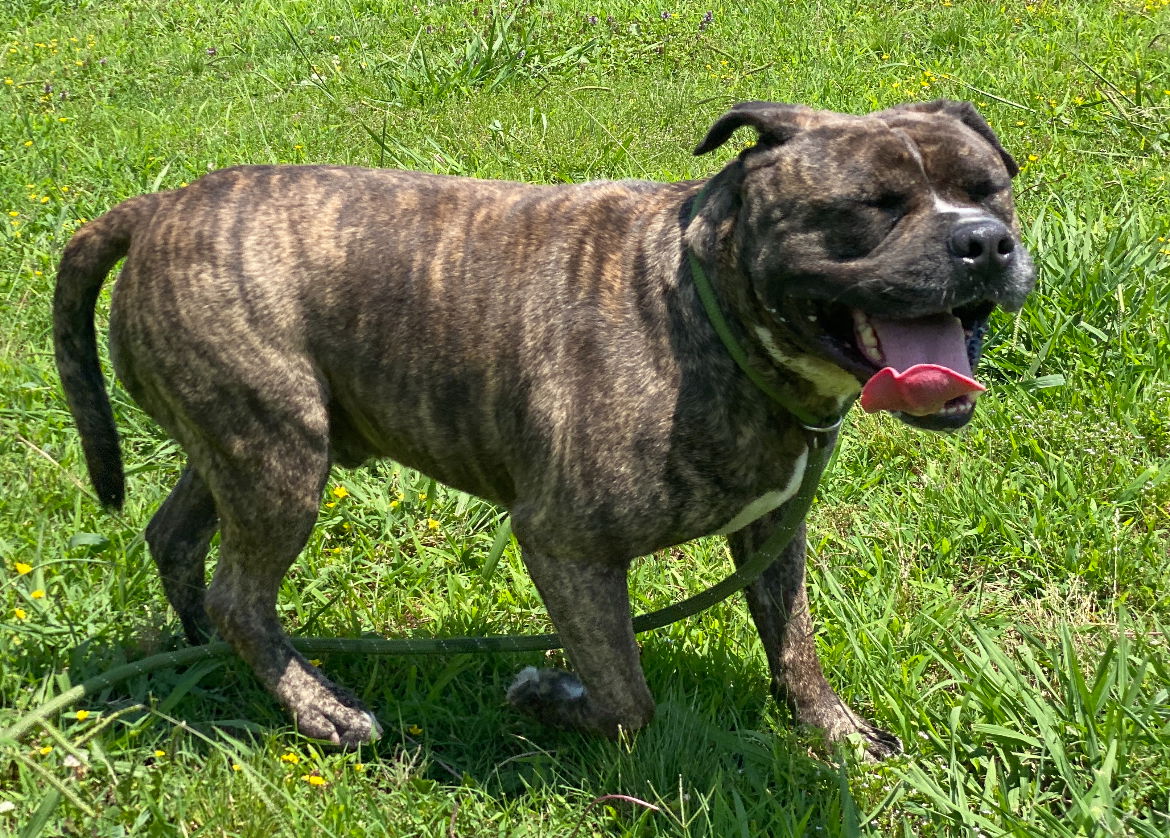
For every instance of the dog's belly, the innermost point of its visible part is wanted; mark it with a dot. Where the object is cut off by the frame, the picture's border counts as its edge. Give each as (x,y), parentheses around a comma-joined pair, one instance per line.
(454,460)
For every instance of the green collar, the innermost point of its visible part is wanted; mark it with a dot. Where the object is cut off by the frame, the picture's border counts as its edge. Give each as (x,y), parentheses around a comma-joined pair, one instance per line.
(719,323)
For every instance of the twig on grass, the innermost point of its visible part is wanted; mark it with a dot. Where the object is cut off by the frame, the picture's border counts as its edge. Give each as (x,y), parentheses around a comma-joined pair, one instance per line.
(605,797)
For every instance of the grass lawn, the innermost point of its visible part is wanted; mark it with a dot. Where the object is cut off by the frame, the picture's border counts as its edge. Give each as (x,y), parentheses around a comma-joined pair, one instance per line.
(998,598)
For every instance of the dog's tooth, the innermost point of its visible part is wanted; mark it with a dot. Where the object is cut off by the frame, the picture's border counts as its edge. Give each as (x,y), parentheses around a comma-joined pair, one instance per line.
(867,339)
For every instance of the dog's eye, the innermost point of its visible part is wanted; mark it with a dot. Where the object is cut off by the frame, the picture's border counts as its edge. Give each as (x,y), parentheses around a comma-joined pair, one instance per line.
(983,189)
(888,202)
(980,190)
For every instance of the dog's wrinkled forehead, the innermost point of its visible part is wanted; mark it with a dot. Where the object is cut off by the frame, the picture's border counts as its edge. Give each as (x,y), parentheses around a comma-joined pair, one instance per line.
(951,150)
(928,141)
(874,155)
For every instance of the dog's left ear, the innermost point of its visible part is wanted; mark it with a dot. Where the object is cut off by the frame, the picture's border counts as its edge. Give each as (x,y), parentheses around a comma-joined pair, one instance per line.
(776,123)
(964,112)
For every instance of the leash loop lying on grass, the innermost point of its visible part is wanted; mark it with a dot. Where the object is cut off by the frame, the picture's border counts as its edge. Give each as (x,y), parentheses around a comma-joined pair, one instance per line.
(821,439)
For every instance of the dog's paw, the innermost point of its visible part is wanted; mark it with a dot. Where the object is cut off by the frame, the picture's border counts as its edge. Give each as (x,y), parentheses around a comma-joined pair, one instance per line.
(541,686)
(869,743)
(879,744)
(559,699)
(345,727)
(551,696)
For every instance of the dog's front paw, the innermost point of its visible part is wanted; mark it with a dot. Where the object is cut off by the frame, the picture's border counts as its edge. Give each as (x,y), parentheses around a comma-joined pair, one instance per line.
(875,744)
(552,696)
(534,687)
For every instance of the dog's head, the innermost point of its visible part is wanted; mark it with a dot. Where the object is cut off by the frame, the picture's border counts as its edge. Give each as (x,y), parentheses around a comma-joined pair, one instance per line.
(879,243)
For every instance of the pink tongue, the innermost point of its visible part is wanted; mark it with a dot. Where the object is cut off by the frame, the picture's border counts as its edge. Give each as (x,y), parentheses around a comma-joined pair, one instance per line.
(927,366)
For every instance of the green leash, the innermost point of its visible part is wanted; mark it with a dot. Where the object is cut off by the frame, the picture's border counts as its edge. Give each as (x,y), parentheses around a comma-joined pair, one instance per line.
(821,439)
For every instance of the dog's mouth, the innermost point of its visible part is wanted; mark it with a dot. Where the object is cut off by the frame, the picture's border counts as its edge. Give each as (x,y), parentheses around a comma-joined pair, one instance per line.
(921,369)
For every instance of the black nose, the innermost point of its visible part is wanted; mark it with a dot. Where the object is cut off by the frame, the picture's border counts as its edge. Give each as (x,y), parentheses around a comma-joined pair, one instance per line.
(985,244)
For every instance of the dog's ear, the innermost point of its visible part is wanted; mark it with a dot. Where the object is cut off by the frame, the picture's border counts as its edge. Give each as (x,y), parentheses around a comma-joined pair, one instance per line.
(964,112)
(776,123)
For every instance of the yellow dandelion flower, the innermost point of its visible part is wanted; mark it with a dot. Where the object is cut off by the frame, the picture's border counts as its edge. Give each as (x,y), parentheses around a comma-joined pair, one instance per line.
(316,780)
(432,524)
(290,757)
(400,496)
(359,766)
(27,143)
(160,753)
(45,751)
(315,661)
(237,767)
(21,614)
(422,495)
(14,213)
(21,567)
(394,504)
(183,184)
(331,504)
(414,730)
(1033,158)
(82,715)
(340,492)
(62,119)
(44,199)
(39,593)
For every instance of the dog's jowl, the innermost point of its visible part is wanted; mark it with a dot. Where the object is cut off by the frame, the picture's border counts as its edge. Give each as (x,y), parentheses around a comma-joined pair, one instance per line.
(543,347)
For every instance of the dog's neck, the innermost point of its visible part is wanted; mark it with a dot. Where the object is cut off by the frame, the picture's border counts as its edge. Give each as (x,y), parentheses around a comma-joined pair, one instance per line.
(811,384)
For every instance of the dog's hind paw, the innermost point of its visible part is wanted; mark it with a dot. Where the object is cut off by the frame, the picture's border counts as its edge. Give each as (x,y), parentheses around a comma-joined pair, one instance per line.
(345,727)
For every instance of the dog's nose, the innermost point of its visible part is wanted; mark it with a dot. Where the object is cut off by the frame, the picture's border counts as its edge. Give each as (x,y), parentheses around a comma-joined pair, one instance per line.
(984,244)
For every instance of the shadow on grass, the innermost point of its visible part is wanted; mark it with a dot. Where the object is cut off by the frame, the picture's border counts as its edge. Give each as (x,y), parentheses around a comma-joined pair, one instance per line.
(719,751)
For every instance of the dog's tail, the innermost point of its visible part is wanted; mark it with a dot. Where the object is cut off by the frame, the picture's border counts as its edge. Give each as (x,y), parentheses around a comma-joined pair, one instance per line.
(89,256)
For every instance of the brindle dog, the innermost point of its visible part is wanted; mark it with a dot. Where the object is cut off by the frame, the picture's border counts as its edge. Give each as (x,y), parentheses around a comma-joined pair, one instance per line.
(542,347)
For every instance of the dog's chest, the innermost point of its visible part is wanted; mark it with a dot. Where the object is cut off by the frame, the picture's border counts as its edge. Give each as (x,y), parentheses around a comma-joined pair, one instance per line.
(765,503)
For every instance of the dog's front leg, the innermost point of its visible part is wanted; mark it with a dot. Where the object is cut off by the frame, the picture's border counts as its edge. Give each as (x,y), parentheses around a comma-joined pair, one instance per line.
(778,603)
(590,608)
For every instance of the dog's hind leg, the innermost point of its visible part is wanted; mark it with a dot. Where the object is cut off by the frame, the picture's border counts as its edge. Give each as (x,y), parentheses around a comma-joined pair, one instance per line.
(179,535)
(590,608)
(265,462)
(778,603)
